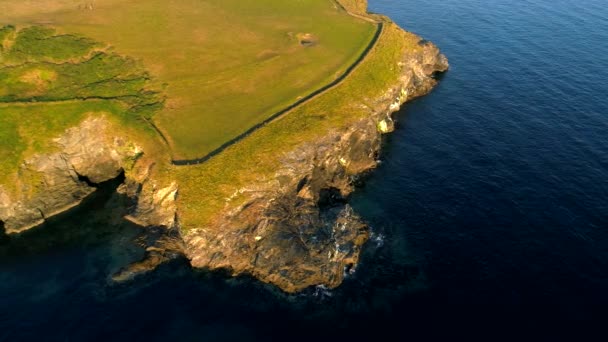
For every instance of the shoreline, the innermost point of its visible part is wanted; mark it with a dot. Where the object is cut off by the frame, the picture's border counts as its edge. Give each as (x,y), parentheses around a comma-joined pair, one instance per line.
(274,202)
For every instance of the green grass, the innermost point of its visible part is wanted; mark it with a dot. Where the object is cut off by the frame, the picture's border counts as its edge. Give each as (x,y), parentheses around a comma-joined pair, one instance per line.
(31,127)
(227,64)
(5,33)
(37,43)
(40,98)
(224,65)
(210,183)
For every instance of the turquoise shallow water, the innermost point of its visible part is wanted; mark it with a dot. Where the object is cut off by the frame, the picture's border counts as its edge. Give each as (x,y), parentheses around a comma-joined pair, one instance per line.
(490,211)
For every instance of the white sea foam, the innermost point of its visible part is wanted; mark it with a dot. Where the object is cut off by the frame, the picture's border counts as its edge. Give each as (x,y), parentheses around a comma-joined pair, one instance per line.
(377,239)
(322,291)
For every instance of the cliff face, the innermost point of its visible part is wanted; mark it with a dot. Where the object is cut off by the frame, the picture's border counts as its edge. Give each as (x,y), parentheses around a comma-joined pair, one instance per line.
(295,230)
(298,230)
(85,155)
(54,182)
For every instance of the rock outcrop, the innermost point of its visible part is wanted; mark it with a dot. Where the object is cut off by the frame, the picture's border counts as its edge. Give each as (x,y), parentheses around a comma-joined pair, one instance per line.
(86,155)
(295,230)
(52,183)
(298,230)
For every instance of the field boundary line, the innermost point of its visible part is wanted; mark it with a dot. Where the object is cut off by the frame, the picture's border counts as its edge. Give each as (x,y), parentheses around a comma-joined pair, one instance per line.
(277,115)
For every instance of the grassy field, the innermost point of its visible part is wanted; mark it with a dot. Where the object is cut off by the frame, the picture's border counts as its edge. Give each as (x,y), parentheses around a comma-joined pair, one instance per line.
(224,65)
(210,184)
(49,82)
(214,69)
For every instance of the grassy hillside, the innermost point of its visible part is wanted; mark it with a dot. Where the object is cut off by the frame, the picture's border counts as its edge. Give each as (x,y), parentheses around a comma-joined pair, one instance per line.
(225,65)
(220,65)
(49,82)
(211,184)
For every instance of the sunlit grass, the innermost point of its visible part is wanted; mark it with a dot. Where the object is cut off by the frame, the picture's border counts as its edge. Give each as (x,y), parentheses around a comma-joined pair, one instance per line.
(41,95)
(227,64)
(224,65)
(258,157)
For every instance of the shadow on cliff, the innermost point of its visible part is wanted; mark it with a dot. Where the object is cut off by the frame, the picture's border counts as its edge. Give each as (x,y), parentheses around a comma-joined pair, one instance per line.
(99,216)
(98,224)
(439,76)
(3,236)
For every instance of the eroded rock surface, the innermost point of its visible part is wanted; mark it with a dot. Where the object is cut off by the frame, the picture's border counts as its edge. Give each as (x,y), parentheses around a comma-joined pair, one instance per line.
(52,183)
(298,230)
(85,155)
(295,230)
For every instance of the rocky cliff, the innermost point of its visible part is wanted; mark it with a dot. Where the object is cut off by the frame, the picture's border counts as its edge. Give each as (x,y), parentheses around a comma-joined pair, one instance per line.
(298,230)
(295,230)
(86,155)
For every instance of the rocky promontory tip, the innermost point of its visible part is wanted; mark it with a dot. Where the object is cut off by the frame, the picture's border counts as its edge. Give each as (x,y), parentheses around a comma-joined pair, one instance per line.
(297,229)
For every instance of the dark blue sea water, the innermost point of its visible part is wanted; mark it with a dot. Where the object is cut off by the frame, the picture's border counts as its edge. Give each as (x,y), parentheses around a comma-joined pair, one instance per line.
(490,211)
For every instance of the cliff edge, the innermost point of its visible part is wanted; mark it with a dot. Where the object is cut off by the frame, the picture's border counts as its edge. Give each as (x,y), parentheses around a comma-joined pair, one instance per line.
(296,229)
(274,205)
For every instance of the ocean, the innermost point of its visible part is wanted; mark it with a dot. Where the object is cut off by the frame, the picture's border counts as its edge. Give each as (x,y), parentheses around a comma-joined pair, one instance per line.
(489,212)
